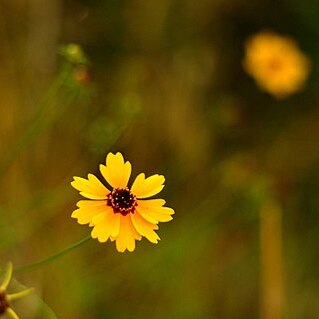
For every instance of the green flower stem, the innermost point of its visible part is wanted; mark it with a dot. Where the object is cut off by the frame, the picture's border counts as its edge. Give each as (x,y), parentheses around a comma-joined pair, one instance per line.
(53,257)
(38,122)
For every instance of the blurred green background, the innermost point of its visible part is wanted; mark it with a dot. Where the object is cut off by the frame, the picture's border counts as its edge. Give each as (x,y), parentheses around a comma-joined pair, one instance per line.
(165,86)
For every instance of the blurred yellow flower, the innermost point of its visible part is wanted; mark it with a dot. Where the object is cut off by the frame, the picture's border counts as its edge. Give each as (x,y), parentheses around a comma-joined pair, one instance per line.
(5,298)
(121,214)
(276,64)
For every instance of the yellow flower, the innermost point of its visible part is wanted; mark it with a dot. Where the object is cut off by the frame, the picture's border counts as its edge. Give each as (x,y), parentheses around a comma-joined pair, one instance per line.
(5,298)
(119,213)
(276,64)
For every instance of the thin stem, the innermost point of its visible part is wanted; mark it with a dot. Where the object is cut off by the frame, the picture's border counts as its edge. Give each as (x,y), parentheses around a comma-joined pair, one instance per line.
(7,277)
(37,123)
(53,257)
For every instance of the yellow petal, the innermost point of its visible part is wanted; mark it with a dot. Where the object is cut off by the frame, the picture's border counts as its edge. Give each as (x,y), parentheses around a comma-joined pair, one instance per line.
(116,172)
(19,294)
(116,225)
(90,188)
(153,213)
(144,228)
(7,277)
(146,216)
(127,235)
(146,187)
(108,226)
(90,203)
(136,235)
(85,214)
(98,218)
(120,244)
(158,202)
(9,311)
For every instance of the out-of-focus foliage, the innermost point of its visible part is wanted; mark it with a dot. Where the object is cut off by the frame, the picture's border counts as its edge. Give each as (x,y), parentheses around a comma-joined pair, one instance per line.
(162,81)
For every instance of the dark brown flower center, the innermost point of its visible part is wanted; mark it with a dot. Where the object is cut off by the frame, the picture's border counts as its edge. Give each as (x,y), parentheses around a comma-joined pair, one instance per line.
(122,201)
(4,304)
(275,64)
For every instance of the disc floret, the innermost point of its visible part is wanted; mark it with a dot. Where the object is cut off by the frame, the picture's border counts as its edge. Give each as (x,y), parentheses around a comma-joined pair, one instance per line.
(122,201)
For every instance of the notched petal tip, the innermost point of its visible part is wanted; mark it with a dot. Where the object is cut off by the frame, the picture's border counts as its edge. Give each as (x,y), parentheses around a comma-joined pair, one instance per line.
(91,187)
(124,249)
(147,187)
(75,213)
(102,240)
(112,158)
(145,228)
(73,183)
(116,171)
